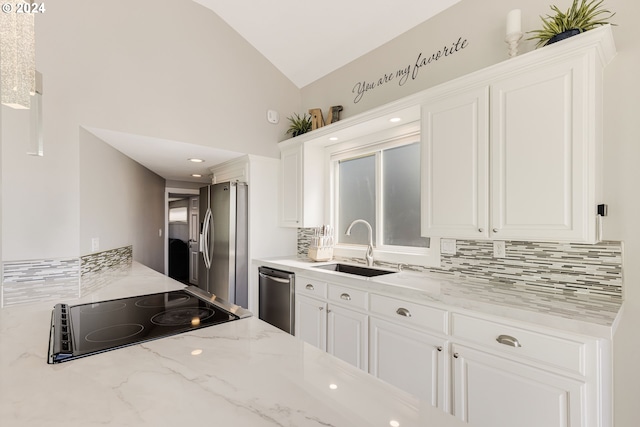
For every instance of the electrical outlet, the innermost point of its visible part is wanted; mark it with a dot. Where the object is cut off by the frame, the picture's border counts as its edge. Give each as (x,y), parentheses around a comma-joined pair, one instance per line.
(95,244)
(448,246)
(499,249)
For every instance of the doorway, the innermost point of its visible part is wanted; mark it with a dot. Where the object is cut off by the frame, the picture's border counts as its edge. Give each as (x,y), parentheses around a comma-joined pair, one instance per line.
(183,237)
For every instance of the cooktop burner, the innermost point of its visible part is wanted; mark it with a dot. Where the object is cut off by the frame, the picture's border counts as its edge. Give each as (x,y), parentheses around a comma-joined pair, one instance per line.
(86,329)
(182,316)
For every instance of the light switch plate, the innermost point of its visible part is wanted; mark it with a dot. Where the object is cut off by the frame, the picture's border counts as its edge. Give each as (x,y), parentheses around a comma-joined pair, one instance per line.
(448,246)
(95,244)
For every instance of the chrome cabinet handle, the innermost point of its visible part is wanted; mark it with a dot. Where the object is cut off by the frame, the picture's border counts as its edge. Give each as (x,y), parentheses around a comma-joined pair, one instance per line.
(310,287)
(508,340)
(320,308)
(345,297)
(439,348)
(456,355)
(403,312)
(480,230)
(495,230)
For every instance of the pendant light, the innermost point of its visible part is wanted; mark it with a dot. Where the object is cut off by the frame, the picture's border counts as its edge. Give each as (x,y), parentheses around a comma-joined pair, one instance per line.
(17,58)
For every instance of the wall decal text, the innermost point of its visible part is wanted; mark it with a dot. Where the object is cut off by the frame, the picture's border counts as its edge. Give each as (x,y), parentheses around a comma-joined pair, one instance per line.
(403,74)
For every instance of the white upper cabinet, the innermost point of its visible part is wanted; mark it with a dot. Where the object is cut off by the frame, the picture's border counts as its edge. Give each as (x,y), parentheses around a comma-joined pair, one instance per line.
(514,151)
(455,165)
(301,186)
(543,170)
(291,187)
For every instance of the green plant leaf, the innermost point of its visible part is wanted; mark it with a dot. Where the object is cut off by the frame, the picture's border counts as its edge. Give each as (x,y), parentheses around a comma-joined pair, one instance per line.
(583,15)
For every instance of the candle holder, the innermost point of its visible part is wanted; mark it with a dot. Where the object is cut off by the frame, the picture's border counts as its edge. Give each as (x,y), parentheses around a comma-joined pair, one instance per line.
(513,40)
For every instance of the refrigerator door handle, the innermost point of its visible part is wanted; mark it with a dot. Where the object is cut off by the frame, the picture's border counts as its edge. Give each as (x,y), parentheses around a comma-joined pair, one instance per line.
(205,239)
(211,236)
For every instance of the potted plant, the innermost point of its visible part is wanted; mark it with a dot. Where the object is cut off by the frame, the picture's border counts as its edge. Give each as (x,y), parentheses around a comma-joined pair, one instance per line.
(583,15)
(299,124)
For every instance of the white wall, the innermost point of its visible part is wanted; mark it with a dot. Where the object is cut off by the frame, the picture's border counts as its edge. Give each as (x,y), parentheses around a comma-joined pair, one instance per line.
(483,24)
(121,202)
(163,68)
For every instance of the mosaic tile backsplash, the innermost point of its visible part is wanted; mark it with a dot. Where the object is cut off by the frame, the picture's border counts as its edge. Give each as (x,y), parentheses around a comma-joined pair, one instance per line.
(100,269)
(61,279)
(553,267)
(40,280)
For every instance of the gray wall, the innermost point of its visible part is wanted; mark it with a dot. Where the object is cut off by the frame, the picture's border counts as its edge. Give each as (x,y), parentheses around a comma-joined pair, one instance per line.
(121,202)
(482,23)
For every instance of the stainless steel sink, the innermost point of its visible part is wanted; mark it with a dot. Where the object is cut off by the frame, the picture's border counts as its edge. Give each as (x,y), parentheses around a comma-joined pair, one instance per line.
(354,269)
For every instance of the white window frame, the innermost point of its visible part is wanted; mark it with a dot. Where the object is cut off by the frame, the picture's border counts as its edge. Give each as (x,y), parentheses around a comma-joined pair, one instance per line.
(362,147)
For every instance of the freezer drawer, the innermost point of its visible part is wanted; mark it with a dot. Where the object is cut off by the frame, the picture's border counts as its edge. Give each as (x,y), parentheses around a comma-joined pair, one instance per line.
(276,298)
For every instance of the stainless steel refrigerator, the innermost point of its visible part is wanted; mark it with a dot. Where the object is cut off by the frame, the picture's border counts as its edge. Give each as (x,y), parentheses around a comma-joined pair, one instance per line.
(223,267)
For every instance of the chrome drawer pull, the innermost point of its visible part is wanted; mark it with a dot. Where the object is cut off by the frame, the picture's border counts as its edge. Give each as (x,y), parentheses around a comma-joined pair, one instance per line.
(508,340)
(345,297)
(403,312)
(309,286)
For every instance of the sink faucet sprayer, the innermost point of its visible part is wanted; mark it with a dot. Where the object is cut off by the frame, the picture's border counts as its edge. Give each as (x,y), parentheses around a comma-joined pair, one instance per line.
(369,254)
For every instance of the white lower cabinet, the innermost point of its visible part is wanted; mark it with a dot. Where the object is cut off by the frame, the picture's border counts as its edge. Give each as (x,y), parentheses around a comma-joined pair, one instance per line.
(339,330)
(409,359)
(347,335)
(491,391)
(487,370)
(311,321)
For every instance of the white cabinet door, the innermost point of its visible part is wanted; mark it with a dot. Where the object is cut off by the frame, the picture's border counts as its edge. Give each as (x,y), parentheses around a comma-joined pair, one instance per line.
(524,165)
(347,336)
(302,186)
(542,160)
(311,321)
(455,190)
(412,361)
(490,391)
(291,187)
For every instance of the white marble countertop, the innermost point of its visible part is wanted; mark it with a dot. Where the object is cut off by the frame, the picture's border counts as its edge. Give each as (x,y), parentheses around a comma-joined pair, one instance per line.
(575,313)
(247,374)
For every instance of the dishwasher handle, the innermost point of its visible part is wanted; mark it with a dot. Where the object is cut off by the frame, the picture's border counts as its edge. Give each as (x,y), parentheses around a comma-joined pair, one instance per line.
(275,279)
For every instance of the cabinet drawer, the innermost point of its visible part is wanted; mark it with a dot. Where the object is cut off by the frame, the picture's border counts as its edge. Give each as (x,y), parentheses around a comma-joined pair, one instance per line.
(348,296)
(409,313)
(311,287)
(561,352)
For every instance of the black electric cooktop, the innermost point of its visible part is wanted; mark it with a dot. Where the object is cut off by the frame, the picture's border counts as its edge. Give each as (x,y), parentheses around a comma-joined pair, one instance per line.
(86,329)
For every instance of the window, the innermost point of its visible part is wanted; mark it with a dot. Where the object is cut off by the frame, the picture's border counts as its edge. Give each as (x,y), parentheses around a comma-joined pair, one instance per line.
(178,214)
(379,183)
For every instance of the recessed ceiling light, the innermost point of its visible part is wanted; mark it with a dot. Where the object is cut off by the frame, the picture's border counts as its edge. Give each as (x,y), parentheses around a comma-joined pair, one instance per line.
(196,175)
(333,138)
(395,119)
(333,386)
(196,352)
(194,160)
(394,423)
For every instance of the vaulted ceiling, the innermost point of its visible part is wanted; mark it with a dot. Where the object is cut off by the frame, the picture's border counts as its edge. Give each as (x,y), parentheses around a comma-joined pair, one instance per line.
(307,40)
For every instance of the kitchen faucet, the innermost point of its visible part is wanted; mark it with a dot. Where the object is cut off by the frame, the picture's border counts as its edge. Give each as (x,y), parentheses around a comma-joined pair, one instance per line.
(369,254)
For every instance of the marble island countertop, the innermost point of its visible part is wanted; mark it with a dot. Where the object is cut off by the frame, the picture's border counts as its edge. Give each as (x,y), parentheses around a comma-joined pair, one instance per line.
(241,373)
(576,313)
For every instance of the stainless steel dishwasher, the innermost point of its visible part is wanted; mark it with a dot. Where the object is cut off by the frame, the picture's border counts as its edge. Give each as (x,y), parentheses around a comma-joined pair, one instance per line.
(276,298)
